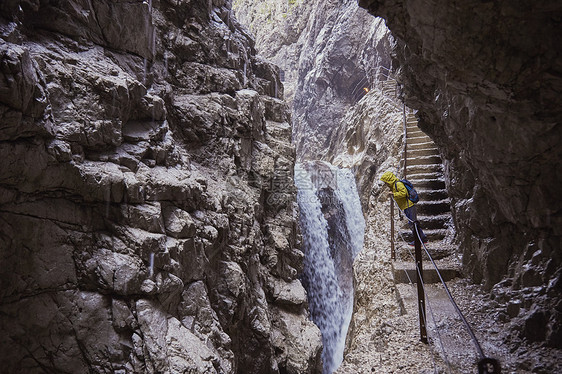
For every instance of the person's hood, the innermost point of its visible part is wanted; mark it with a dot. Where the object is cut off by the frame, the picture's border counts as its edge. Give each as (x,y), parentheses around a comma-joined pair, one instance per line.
(389,178)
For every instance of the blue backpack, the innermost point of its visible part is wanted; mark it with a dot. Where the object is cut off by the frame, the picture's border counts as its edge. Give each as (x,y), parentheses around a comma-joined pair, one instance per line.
(412,193)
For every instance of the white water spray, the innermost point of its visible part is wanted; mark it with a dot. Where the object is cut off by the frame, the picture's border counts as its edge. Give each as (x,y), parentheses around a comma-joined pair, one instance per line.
(151,265)
(327,272)
(349,197)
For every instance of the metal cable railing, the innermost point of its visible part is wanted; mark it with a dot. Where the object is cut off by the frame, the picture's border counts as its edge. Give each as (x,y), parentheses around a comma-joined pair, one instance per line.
(362,87)
(486,365)
(445,357)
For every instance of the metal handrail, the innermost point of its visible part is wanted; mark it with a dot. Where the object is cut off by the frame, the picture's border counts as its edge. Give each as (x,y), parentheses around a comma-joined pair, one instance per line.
(377,82)
(384,67)
(486,365)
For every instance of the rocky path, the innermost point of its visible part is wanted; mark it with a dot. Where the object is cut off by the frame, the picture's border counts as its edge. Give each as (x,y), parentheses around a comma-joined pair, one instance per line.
(384,333)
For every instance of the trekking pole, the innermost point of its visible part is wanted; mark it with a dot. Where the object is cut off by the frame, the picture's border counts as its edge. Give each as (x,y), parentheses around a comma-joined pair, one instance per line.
(392,251)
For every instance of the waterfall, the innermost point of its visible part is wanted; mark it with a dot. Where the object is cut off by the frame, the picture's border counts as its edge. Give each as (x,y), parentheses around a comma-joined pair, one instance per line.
(348,195)
(151,265)
(332,228)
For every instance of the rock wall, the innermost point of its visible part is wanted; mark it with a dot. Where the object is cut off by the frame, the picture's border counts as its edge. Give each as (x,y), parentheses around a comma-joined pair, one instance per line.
(370,135)
(329,51)
(148,218)
(485,77)
(277,27)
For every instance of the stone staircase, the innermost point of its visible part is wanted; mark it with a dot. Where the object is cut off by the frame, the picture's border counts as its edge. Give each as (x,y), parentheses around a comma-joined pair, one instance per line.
(424,169)
(388,88)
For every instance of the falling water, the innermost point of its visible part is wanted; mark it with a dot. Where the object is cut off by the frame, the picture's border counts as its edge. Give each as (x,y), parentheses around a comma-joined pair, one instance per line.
(332,227)
(348,195)
(151,265)
(151,37)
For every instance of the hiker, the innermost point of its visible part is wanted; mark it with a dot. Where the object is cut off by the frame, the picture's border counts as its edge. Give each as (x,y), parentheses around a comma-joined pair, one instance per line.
(400,194)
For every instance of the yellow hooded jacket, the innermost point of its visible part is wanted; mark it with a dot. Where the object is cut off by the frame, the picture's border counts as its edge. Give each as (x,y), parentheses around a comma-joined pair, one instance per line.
(398,190)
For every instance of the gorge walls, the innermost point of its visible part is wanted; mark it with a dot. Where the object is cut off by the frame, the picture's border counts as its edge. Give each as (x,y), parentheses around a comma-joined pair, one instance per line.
(147,208)
(329,51)
(486,79)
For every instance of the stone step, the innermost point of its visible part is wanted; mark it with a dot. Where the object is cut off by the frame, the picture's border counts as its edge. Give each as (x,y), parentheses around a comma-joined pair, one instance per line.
(432,194)
(433,235)
(418,140)
(426,175)
(389,91)
(415,131)
(423,152)
(423,160)
(427,183)
(435,222)
(440,221)
(428,191)
(433,207)
(417,134)
(427,147)
(405,271)
(413,169)
(422,145)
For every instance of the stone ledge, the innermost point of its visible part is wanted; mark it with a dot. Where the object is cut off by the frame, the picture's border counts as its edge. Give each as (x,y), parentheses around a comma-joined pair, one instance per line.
(448,272)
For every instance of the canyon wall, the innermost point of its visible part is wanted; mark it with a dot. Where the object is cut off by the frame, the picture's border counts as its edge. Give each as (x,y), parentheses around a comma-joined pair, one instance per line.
(329,52)
(486,79)
(147,208)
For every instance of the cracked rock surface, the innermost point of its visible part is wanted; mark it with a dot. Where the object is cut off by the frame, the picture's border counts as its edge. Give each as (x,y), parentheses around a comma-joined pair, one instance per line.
(147,218)
(485,79)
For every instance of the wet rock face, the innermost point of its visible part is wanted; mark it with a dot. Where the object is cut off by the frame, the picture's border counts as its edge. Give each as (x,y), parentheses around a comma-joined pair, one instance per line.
(485,77)
(329,51)
(148,223)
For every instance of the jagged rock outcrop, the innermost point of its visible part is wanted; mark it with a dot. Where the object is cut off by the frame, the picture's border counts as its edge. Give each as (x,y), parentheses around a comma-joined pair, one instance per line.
(278,28)
(369,136)
(485,77)
(148,218)
(330,51)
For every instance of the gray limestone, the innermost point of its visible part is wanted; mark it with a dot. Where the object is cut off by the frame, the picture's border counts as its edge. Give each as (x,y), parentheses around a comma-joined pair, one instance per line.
(485,77)
(140,228)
